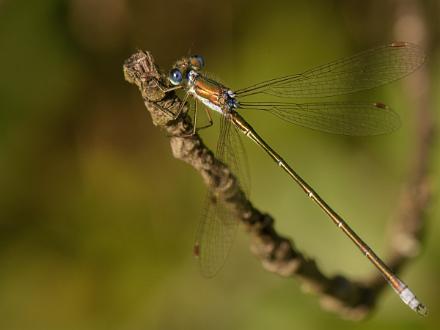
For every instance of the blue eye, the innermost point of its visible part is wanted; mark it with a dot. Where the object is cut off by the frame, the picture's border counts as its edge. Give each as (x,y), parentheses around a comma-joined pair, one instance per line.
(175,76)
(197,62)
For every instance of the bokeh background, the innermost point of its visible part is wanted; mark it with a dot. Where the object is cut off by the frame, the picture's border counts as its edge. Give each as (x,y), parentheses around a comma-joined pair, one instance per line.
(97,219)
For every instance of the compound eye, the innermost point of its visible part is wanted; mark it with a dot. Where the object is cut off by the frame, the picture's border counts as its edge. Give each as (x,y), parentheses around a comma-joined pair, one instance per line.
(175,76)
(197,62)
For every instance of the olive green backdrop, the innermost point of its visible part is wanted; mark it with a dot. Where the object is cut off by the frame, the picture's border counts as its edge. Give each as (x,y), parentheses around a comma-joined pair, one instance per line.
(97,219)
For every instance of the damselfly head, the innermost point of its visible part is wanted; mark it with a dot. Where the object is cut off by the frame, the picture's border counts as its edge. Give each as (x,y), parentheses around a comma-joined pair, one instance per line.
(183,67)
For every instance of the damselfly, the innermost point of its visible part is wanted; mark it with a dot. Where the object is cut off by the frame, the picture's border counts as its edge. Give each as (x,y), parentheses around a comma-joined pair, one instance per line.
(366,70)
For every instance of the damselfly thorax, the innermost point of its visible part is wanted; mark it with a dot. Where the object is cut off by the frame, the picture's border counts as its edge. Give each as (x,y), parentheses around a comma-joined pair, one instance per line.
(211,93)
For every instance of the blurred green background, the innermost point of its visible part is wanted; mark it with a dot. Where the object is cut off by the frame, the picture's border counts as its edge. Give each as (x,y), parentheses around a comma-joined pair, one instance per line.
(97,219)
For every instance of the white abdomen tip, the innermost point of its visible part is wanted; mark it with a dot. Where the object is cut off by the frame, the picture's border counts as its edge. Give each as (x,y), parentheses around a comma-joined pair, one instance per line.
(411,300)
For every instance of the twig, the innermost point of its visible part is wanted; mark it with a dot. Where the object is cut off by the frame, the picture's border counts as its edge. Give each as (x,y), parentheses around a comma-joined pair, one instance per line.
(350,298)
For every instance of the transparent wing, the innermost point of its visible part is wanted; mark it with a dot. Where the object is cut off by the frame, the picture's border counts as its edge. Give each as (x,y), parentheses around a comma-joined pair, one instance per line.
(231,151)
(347,118)
(365,70)
(218,226)
(215,236)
